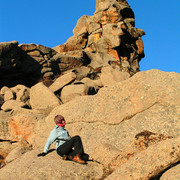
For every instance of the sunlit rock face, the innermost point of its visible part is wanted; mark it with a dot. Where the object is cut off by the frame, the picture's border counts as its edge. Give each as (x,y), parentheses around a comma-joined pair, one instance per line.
(108,37)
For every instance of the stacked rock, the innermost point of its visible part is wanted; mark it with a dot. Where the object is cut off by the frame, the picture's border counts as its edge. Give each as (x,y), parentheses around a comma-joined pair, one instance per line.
(108,37)
(16,66)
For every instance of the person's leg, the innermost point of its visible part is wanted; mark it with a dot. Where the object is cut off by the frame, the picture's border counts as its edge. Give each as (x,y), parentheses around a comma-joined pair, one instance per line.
(78,146)
(66,148)
(66,151)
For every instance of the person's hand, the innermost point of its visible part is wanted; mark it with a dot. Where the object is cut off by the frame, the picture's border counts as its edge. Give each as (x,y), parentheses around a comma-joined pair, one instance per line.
(42,154)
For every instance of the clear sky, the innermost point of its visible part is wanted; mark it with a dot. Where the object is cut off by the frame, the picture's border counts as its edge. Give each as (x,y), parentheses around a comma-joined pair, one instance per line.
(50,23)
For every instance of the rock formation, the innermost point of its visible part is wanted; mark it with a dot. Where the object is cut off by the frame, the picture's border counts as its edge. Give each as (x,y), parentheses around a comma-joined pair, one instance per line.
(135,121)
(109,37)
(128,120)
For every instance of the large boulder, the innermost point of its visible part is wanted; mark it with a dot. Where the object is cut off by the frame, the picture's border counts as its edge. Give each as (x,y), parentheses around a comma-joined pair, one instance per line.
(143,91)
(51,166)
(19,124)
(17,133)
(62,81)
(94,85)
(67,62)
(16,153)
(41,97)
(118,113)
(149,163)
(109,34)
(134,120)
(70,92)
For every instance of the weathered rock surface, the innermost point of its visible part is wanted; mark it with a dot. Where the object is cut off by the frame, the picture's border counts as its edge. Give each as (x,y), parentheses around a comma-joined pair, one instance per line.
(42,97)
(174,173)
(12,104)
(108,38)
(130,126)
(133,118)
(16,153)
(110,76)
(62,81)
(116,124)
(49,167)
(142,92)
(8,95)
(70,92)
(150,162)
(5,148)
(108,35)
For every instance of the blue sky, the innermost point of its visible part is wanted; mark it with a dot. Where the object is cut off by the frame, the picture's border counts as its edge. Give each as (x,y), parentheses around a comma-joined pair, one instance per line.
(50,23)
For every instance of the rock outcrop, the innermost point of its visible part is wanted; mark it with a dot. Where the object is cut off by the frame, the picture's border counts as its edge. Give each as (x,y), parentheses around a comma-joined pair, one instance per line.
(16,66)
(156,158)
(108,38)
(128,120)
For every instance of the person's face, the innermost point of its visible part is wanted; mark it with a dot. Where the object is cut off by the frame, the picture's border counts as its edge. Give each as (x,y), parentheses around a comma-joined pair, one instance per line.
(63,122)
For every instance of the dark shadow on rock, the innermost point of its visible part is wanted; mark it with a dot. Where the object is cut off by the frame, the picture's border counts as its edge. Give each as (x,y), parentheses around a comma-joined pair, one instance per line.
(127,13)
(158,176)
(17,67)
(5,140)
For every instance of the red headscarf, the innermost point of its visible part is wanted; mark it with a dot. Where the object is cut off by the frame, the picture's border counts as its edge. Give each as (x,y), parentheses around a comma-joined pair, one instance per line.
(59,120)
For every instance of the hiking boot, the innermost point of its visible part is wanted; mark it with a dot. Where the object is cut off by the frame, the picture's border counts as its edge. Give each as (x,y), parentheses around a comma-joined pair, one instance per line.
(85,156)
(65,157)
(78,159)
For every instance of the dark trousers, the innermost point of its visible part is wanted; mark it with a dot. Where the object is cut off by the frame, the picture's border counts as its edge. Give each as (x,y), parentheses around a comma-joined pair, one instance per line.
(71,147)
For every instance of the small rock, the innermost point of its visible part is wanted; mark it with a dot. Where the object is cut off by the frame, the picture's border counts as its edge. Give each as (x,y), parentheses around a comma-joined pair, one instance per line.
(19,87)
(62,81)
(4,89)
(12,104)
(28,47)
(72,91)
(8,95)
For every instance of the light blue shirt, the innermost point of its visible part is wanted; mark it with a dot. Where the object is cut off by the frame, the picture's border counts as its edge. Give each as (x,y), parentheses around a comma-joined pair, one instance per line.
(57,133)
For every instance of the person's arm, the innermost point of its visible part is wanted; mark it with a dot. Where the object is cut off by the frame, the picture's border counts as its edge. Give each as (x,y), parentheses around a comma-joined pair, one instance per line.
(42,154)
(50,140)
